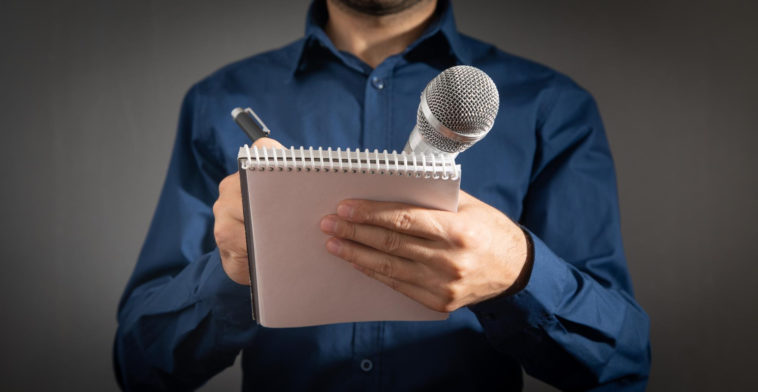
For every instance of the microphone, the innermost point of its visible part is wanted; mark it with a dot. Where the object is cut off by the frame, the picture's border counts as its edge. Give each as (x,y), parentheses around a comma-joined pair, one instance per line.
(457,109)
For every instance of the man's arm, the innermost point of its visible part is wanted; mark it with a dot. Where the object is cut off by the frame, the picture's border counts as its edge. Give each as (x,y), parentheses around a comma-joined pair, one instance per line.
(181,319)
(575,324)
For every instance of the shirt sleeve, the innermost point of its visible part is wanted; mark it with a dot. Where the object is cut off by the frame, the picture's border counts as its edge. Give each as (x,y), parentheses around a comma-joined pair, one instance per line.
(576,324)
(181,319)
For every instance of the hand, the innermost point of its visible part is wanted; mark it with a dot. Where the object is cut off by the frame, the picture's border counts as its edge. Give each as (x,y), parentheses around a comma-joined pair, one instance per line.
(443,260)
(229,226)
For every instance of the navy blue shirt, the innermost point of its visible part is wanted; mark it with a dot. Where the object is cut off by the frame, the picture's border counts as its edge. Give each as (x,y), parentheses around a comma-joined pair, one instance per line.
(546,164)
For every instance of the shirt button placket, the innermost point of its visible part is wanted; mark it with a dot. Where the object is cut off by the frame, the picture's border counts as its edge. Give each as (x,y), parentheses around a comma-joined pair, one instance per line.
(376,109)
(377,82)
(367,365)
(366,351)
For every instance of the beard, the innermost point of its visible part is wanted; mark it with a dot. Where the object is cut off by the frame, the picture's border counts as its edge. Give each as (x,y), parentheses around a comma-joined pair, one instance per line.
(378,7)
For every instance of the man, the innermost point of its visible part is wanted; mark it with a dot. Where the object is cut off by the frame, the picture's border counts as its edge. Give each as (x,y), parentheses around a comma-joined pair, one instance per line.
(550,293)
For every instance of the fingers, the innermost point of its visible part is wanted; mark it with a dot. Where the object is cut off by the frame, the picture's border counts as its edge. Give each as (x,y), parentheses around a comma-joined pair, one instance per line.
(387,265)
(414,292)
(229,202)
(408,277)
(230,236)
(385,240)
(229,230)
(267,142)
(399,217)
(230,239)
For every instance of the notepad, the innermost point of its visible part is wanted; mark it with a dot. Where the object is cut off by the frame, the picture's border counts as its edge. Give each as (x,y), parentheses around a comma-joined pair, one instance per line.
(294,280)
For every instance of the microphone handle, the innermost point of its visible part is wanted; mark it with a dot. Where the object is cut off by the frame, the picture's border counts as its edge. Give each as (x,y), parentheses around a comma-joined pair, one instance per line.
(417,144)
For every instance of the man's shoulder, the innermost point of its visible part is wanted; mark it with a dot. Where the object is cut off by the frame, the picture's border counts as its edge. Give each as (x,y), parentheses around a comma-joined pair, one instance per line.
(516,70)
(259,69)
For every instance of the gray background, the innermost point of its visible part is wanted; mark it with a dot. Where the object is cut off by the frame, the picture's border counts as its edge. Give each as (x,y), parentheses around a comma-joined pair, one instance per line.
(89,97)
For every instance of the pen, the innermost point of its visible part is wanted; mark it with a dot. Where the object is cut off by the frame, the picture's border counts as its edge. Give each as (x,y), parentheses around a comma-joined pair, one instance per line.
(250,123)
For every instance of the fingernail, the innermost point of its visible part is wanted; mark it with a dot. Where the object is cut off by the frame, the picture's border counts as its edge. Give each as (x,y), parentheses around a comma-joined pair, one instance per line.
(334,245)
(345,211)
(329,225)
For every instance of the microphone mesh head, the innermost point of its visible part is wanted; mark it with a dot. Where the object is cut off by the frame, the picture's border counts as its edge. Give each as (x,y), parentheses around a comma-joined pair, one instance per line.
(465,100)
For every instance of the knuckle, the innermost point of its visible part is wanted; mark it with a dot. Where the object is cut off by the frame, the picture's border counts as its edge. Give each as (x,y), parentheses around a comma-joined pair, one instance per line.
(387,269)
(444,306)
(221,241)
(230,238)
(368,272)
(453,265)
(402,220)
(456,269)
(449,293)
(350,230)
(218,231)
(456,272)
(361,213)
(464,236)
(347,253)
(227,183)
(449,307)
(391,241)
(221,234)
(218,236)
(223,184)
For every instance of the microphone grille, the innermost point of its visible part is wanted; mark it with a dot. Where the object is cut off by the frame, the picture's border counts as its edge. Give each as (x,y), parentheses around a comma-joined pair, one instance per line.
(465,100)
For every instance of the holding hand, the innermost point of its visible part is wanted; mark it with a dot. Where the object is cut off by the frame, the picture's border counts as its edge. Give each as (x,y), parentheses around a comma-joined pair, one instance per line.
(229,226)
(441,259)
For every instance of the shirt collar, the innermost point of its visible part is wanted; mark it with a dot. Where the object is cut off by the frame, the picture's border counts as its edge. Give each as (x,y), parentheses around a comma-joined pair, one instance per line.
(443,26)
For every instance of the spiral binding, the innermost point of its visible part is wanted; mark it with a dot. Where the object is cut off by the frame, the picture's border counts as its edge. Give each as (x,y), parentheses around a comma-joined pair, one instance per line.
(434,166)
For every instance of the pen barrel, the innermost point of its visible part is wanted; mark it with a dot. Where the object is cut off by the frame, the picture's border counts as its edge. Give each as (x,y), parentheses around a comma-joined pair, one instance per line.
(251,128)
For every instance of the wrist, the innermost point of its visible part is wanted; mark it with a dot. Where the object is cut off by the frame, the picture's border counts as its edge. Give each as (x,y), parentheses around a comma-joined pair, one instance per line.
(527,261)
(516,260)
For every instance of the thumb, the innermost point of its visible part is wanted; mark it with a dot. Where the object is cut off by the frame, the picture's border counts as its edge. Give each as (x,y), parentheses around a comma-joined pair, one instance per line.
(267,142)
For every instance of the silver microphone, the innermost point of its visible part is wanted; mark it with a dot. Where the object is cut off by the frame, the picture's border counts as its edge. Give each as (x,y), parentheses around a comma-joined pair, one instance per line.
(457,109)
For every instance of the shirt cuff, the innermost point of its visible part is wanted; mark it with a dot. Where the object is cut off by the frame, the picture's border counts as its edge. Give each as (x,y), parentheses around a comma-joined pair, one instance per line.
(506,315)
(228,301)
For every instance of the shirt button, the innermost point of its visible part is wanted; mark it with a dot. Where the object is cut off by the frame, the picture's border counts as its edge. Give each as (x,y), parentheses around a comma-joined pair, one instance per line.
(377,82)
(366,365)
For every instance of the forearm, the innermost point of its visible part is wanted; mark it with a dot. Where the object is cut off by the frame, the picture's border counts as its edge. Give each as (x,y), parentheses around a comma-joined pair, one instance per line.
(176,332)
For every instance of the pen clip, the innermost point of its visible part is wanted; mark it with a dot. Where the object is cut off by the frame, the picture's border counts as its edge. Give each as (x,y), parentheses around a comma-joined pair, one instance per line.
(258,121)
